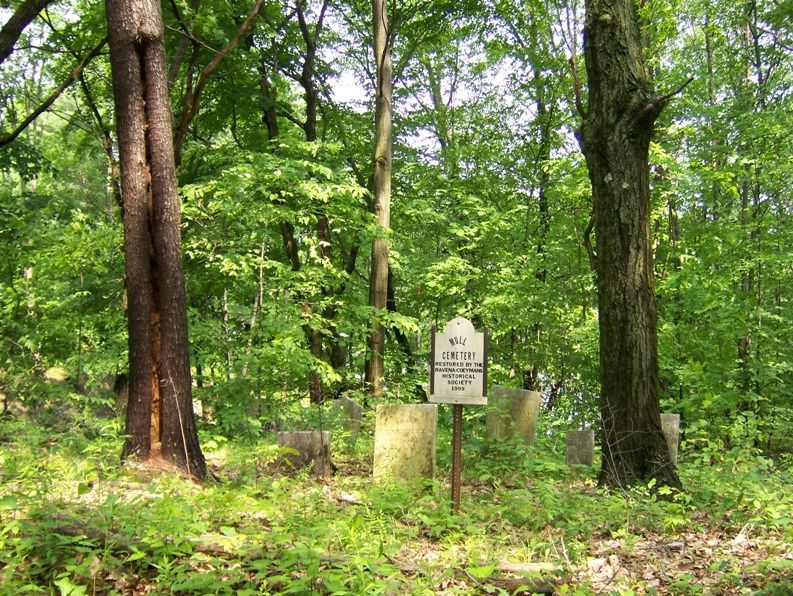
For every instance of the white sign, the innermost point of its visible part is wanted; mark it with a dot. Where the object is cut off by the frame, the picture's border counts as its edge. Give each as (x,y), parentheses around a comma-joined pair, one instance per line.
(458,365)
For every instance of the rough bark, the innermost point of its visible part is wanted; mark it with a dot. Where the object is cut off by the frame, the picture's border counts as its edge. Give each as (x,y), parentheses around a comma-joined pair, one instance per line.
(160,420)
(378,280)
(615,137)
(754,79)
(443,129)
(270,101)
(291,248)
(391,306)
(311,96)
(531,376)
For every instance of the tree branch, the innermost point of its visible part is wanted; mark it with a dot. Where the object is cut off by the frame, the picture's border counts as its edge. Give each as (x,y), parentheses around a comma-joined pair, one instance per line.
(579,105)
(192,99)
(570,36)
(14,27)
(654,108)
(53,96)
(178,55)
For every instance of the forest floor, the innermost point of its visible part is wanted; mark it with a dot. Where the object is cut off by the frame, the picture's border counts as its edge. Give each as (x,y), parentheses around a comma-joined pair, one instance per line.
(72,521)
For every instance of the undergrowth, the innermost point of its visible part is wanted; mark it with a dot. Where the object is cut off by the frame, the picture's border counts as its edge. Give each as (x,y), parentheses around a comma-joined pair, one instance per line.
(73,521)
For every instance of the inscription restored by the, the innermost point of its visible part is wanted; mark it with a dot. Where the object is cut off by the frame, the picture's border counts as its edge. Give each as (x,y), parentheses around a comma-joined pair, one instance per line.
(458,366)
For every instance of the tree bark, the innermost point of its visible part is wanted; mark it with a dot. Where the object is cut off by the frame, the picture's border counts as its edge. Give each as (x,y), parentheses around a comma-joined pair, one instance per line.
(615,138)
(160,420)
(270,117)
(311,96)
(378,280)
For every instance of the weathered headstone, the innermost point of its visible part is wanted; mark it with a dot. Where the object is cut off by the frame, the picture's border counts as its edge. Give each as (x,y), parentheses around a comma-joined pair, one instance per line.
(580,448)
(349,413)
(404,441)
(513,413)
(56,375)
(670,424)
(312,447)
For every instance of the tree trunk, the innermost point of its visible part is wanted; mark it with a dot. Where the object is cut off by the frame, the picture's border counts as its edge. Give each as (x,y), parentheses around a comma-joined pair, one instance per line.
(531,376)
(311,95)
(378,280)
(615,138)
(160,420)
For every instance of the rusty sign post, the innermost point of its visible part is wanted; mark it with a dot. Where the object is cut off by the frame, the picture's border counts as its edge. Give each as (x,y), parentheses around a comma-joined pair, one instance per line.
(458,376)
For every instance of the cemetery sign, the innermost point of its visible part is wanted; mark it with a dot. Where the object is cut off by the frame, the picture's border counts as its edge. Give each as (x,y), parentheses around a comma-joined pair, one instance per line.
(458,376)
(458,365)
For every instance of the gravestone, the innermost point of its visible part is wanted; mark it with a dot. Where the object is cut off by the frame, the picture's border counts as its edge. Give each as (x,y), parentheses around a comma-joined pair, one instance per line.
(312,447)
(580,447)
(349,413)
(513,413)
(404,441)
(670,424)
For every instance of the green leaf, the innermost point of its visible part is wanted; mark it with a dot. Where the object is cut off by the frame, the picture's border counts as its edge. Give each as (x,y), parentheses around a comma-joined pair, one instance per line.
(69,588)
(136,556)
(8,502)
(482,572)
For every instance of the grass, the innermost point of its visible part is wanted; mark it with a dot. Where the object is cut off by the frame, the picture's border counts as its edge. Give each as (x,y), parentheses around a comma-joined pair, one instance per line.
(72,521)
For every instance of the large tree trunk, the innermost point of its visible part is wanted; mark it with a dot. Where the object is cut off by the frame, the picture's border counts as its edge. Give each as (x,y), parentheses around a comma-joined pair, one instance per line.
(160,420)
(615,137)
(378,280)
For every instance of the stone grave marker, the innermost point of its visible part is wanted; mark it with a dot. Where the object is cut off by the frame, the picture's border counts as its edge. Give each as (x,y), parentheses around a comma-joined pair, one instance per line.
(670,424)
(513,412)
(312,447)
(580,448)
(404,441)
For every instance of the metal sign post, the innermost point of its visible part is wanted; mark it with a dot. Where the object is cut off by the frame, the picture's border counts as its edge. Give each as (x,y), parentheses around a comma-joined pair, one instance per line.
(457,456)
(458,376)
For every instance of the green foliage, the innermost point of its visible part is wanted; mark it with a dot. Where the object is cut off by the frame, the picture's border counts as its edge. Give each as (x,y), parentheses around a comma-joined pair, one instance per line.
(491,203)
(73,522)
(61,285)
